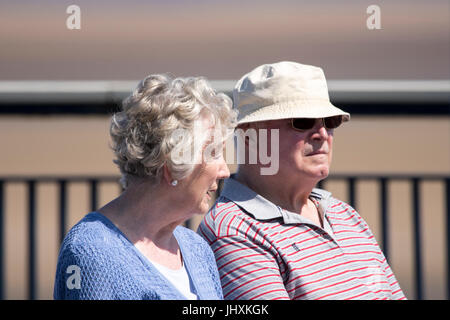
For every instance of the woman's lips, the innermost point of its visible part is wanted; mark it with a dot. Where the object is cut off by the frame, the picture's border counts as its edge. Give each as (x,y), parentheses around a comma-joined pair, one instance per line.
(211,192)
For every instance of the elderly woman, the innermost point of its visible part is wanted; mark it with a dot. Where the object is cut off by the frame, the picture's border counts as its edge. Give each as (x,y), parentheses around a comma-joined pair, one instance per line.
(135,247)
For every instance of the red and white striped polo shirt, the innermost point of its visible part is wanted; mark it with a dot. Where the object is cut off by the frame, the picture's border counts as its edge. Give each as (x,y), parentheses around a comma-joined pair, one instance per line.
(265,252)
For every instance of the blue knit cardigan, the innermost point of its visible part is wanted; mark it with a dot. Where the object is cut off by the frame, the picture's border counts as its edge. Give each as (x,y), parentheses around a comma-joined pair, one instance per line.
(97,261)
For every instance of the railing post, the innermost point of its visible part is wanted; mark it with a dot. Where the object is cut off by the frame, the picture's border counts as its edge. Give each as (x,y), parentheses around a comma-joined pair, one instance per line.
(62,209)
(384,217)
(447,197)
(120,187)
(2,243)
(321,184)
(31,239)
(93,184)
(351,191)
(188,224)
(417,237)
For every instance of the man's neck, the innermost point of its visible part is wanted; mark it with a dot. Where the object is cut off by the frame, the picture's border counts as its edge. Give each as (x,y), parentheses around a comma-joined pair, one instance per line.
(285,192)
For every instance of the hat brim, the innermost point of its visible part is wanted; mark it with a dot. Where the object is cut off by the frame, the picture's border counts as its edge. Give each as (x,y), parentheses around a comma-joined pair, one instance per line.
(291,109)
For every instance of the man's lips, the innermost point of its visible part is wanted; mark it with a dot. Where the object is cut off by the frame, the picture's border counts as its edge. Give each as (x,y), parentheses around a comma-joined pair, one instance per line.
(317,152)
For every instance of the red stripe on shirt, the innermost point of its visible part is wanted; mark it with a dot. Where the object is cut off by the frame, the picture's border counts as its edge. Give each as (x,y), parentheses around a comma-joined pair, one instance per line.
(228,244)
(261,285)
(247,273)
(271,291)
(250,281)
(336,284)
(233,251)
(327,277)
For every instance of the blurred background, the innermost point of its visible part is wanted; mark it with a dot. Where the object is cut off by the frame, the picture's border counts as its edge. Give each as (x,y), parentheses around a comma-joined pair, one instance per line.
(58,88)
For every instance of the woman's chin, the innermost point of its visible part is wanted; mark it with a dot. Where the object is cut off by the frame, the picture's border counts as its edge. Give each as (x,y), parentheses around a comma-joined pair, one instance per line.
(205,205)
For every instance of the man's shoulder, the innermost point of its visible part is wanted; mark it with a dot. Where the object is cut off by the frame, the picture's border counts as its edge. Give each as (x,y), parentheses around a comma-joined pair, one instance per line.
(326,199)
(225,208)
(338,211)
(335,205)
(225,217)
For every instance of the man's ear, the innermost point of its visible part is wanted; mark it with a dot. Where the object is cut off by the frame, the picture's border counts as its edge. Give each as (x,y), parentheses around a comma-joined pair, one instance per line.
(244,127)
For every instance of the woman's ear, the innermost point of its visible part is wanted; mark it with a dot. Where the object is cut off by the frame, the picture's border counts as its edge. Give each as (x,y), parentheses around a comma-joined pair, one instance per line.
(167,175)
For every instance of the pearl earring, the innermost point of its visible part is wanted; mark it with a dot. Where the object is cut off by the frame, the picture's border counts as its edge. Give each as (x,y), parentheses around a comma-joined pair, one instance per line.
(174,183)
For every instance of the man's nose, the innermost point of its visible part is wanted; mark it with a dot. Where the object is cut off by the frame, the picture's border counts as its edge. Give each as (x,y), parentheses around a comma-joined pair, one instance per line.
(320,132)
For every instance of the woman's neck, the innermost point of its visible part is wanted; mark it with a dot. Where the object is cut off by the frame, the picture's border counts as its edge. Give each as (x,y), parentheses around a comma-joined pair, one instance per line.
(144,215)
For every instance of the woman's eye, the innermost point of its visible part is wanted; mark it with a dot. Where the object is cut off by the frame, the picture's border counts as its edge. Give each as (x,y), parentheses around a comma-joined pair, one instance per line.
(216,153)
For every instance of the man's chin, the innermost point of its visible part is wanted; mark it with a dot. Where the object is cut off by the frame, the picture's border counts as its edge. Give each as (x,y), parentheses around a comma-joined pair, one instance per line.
(321,173)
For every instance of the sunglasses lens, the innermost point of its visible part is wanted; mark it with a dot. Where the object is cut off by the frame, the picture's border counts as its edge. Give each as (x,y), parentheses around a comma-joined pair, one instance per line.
(303,123)
(333,122)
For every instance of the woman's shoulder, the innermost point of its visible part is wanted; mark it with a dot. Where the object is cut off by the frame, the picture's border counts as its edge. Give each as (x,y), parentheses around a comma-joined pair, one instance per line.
(188,236)
(94,245)
(93,231)
(194,245)
(196,250)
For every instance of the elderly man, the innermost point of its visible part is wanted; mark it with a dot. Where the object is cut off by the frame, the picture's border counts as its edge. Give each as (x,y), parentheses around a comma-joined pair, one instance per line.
(275,236)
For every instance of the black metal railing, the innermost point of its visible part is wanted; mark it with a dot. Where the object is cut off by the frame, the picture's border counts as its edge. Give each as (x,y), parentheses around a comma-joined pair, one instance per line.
(351,180)
(31,184)
(415,181)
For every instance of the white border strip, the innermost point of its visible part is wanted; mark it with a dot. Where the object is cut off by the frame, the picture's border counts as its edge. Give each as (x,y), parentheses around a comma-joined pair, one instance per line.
(389,85)
(103,86)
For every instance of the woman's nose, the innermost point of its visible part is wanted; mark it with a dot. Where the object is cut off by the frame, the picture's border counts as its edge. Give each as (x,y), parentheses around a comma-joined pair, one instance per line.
(224,171)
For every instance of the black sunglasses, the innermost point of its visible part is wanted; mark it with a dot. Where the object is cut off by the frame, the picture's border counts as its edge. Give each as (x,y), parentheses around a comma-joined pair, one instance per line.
(302,124)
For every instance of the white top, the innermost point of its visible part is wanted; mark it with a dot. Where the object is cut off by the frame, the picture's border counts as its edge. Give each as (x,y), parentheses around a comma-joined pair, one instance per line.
(179,278)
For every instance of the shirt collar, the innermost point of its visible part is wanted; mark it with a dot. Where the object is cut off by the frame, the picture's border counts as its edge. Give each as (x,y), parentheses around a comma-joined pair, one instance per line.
(249,200)
(261,208)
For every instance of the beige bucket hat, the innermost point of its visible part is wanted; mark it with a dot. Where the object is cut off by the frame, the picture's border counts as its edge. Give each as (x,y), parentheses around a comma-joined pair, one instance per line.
(283,90)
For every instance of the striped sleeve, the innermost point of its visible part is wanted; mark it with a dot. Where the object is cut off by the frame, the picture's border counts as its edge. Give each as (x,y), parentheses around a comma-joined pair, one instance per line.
(247,271)
(396,291)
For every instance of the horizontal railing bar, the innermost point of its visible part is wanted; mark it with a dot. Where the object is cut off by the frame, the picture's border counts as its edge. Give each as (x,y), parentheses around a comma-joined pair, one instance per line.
(109,178)
(399,176)
(51,178)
